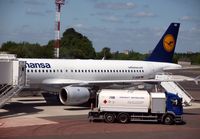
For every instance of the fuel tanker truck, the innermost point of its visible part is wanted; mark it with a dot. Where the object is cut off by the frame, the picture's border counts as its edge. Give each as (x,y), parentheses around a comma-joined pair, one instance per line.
(137,105)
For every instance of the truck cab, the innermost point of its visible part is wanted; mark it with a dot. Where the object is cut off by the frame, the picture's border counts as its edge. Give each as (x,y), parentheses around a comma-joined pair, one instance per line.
(174,108)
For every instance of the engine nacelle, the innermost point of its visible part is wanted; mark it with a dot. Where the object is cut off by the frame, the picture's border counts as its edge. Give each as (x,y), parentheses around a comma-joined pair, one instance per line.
(74,95)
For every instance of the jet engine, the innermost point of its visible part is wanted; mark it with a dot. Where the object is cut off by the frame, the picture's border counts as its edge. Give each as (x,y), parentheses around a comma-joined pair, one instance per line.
(74,95)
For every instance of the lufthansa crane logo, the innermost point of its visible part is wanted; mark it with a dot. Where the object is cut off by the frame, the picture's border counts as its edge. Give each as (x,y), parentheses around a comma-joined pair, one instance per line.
(168,42)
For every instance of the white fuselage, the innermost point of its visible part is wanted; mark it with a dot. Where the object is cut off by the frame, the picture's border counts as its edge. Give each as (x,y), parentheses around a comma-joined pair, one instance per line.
(39,70)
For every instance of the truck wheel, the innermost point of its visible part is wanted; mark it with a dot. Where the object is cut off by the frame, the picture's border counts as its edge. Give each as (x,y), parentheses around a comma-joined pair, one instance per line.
(123,118)
(168,120)
(109,117)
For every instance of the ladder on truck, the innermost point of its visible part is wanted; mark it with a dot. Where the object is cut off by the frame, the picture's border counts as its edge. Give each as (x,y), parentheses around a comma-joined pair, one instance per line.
(175,88)
(12,77)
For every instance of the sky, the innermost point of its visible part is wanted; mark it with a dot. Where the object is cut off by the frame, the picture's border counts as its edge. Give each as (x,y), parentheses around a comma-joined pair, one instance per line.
(120,25)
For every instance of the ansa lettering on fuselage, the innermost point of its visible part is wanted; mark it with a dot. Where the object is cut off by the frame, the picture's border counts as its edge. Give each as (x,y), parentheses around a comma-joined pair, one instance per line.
(38,65)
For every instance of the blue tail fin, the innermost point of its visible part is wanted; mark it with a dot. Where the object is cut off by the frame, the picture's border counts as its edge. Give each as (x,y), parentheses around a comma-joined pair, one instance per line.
(164,50)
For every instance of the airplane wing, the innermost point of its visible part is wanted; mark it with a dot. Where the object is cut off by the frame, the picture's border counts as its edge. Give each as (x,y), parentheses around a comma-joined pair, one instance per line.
(158,78)
(193,67)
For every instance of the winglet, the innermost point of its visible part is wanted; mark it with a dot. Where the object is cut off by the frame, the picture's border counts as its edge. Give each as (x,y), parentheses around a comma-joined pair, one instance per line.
(164,50)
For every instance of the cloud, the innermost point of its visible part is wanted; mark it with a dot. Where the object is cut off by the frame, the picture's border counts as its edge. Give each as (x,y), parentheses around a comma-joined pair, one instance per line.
(141,14)
(79,25)
(34,2)
(112,18)
(115,6)
(49,11)
(101,14)
(144,14)
(190,18)
(186,18)
(33,12)
(25,26)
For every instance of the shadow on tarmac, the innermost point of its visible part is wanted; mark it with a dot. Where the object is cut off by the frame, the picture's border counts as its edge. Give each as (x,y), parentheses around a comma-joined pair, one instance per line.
(15,109)
(135,122)
(77,109)
(25,107)
(28,106)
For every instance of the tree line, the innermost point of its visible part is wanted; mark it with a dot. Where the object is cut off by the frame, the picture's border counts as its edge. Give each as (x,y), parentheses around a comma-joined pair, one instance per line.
(76,46)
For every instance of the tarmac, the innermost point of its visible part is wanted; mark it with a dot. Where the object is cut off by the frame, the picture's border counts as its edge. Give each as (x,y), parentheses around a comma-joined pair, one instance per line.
(32,117)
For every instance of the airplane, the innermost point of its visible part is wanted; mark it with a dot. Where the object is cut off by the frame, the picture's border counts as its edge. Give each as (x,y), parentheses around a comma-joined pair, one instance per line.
(76,80)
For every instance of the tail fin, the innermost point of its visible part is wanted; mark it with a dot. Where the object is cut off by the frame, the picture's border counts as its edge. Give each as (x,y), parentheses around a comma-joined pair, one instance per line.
(164,50)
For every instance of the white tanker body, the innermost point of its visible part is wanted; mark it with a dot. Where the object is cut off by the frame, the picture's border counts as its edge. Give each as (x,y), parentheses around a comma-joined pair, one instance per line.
(136,105)
(124,100)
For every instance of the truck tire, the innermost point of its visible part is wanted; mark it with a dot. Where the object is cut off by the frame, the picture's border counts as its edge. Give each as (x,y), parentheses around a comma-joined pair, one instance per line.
(109,117)
(168,120)
(123,118)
